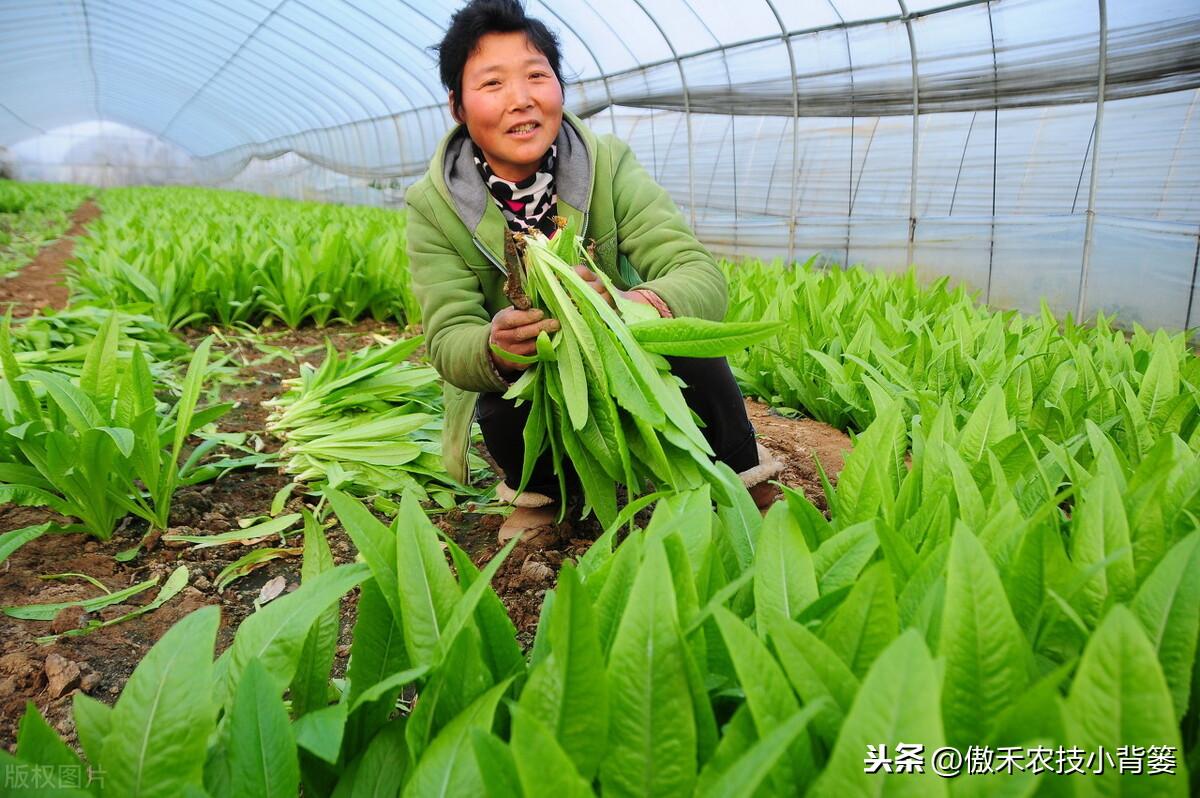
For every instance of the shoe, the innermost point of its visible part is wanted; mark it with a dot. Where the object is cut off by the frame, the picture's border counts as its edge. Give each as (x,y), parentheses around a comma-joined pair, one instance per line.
(534,517)
(757,480)
(765,494)
(537,526)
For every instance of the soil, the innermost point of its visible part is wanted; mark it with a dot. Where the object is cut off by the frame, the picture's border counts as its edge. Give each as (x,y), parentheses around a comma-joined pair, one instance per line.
(100,663)
(40,284)
(800,444)
(105,658)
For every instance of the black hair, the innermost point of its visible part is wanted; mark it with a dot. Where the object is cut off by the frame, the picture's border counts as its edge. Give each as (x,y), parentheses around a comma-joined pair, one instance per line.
(479,18)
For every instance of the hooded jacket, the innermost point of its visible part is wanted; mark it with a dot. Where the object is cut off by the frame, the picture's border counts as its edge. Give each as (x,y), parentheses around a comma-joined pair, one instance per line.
(456,255)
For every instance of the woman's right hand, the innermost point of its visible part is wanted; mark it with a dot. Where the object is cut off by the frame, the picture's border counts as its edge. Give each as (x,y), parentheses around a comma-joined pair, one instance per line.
(516,331)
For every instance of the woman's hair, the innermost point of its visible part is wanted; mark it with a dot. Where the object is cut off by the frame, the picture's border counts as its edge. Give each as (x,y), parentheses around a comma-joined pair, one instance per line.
(479,18)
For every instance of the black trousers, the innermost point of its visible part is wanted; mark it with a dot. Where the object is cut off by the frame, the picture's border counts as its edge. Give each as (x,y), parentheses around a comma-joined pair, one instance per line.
(711,392)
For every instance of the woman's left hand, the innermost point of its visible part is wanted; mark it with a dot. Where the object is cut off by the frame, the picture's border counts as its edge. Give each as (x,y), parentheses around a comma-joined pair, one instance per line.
(598,286)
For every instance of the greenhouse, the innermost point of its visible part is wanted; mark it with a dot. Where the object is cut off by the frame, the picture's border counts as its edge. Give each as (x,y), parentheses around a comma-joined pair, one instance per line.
(639,397)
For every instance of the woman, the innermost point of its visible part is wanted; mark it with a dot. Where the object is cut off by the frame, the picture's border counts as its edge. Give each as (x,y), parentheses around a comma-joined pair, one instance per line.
(515,160)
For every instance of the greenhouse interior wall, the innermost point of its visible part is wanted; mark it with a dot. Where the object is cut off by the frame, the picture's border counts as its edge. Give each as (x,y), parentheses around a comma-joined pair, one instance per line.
(1033,150)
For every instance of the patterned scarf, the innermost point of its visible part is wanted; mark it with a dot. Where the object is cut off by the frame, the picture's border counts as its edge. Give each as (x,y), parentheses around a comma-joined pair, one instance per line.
(528,204)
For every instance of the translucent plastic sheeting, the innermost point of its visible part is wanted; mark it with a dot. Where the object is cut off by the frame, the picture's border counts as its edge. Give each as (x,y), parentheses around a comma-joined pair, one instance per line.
(294,177)
(99,154)
(976,56)
(1034,259)
(955,135)
(1143,272)
(1150,158)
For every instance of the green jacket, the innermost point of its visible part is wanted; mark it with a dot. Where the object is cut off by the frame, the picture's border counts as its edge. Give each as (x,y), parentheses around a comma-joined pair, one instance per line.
(456,255)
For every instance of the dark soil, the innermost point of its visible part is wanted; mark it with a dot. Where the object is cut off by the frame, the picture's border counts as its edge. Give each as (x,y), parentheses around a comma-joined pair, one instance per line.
(105,658)
(101,662)
(40,284)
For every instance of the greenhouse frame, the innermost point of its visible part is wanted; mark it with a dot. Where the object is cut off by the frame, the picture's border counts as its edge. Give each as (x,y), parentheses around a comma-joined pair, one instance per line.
(959,137)
(630,398)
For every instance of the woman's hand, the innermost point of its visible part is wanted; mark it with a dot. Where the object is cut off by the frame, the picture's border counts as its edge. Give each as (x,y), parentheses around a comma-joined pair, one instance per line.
(516,331)
(595,283)
(636,295)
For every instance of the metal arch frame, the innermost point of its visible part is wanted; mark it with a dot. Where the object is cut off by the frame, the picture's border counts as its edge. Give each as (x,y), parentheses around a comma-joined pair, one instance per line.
(253,147)
(399,64)
(612,114)
(687,109)
(417,48)
(360,140)
(220,69)
(787,40)
(963,158)
(395,116)
(1089,226)
(916,134)
(87,34)
(645,76)
(850,193)
(45,51)
(417,83)
(732,127)
(858,23)
(84,116)
(283,110)
(229,62)
(907,18)
(987,296)
(644,67)
(119,64)
(273,64)
(383,103)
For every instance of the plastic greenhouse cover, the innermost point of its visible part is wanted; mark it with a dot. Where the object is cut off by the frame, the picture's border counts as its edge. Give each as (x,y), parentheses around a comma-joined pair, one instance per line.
(781,128)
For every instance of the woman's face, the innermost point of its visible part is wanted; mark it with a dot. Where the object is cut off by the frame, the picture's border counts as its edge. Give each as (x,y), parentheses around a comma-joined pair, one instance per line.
(511,103)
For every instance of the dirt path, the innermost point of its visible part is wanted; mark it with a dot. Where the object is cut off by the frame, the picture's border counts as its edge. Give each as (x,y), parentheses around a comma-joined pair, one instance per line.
(41,283)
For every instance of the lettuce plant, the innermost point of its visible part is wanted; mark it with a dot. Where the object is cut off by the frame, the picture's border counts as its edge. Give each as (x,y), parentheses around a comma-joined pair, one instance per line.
(235,258)
(97,447)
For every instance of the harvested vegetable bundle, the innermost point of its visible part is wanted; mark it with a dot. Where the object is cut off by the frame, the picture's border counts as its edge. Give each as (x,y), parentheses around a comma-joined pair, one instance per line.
(58,340)
(369,422)
(602,393)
